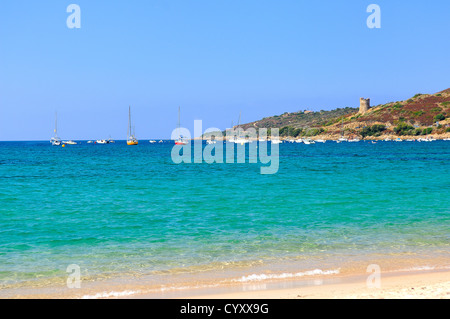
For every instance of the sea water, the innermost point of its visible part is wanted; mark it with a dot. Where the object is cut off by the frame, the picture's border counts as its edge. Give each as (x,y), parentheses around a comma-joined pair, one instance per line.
(120,211)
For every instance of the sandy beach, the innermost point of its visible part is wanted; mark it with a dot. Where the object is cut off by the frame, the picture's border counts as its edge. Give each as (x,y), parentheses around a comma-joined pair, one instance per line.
(419,285)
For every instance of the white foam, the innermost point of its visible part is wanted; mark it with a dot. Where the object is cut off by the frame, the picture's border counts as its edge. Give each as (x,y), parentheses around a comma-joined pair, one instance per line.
(111,294)
(261,277)
(420,268)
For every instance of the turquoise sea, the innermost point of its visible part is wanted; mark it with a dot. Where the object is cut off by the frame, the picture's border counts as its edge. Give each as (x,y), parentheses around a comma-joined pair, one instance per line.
(129,212)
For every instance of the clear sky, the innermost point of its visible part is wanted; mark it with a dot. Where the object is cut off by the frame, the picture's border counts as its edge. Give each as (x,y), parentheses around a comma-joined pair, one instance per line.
(214,58)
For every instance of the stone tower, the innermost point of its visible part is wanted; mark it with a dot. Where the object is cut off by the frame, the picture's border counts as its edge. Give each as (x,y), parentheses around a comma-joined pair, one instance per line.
(364,105)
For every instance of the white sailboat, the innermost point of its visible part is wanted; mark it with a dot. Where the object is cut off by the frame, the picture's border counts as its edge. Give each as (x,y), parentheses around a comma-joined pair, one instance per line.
(240,139)
(55,140)
(231,138)
(180,140)
(276,141)
(342,138)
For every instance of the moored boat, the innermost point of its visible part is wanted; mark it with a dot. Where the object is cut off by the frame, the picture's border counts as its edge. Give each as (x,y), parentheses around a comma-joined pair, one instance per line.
(131,139)
(180,140)
(55,140)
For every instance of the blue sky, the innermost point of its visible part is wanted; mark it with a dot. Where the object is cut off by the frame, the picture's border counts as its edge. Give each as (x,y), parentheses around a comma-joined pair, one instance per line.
(212,58)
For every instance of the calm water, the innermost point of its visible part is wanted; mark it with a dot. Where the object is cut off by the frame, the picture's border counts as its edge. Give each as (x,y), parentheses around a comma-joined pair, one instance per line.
(113,209)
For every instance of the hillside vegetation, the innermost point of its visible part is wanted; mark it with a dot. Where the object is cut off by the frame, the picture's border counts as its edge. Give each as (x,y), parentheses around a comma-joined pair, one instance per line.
(421,114)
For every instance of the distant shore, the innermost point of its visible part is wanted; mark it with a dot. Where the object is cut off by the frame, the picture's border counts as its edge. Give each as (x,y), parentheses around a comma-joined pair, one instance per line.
(335,137)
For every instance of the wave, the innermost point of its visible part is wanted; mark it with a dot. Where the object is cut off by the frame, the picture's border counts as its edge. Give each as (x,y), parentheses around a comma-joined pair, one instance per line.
(261,277)
(422,268)
(244,279)
(112,294)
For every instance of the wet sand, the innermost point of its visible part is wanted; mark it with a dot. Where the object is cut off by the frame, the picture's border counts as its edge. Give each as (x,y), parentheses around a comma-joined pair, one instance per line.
(419,285)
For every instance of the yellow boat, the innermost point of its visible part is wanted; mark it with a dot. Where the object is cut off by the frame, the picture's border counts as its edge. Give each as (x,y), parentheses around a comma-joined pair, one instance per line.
(131,140)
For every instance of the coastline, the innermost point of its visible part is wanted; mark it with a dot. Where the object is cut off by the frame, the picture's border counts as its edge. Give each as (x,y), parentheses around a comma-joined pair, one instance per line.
(333,137)
(415,285)
(348,280)
(396,278)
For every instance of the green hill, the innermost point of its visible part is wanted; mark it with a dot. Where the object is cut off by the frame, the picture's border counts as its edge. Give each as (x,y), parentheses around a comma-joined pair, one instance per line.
(419,115)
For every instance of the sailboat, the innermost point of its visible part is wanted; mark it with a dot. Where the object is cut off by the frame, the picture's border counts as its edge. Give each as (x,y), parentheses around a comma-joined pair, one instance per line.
(342,138)
(55,140)
(131,140)
(232,138)
(240,139)
(70,142)
(180,140)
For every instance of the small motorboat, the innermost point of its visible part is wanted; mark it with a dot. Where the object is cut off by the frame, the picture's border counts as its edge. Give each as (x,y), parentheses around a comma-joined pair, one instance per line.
(276,141)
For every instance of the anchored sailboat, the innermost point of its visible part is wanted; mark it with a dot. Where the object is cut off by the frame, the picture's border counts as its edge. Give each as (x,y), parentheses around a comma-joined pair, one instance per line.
(131,140)
(241,138)
(342,138)
(180,140)
(55,140)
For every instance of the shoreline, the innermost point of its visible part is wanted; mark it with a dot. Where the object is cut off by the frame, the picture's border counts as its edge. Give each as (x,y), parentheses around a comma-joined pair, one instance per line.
(335,137)
(429,284)
(341,283)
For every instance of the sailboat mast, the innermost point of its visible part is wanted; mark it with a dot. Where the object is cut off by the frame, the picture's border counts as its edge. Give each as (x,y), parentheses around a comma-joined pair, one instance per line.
(131,139)
(178,124)
(129,121)
(56,124)
(239,124)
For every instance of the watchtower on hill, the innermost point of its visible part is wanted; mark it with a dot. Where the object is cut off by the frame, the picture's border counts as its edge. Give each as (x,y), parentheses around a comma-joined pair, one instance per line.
(364,105)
